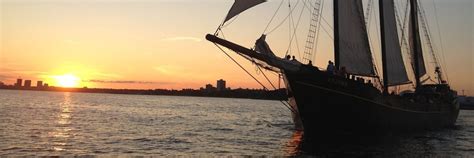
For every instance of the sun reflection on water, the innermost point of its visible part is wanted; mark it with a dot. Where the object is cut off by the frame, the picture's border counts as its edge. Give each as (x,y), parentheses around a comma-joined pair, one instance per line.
(63,130)
(294,144)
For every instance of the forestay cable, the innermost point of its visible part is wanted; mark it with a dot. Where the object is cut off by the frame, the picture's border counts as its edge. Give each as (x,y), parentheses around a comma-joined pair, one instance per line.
(264,87)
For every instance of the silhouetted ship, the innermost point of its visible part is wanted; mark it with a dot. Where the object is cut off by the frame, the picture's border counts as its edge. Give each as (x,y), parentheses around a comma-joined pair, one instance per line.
(466,103)
(353,97)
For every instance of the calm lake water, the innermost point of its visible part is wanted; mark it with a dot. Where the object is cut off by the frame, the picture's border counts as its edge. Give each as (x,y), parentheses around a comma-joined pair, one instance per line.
(64,123)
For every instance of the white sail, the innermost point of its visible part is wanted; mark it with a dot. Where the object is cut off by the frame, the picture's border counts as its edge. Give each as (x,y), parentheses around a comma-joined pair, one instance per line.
(240,6)
(421,62)
(395,67)
(354,50)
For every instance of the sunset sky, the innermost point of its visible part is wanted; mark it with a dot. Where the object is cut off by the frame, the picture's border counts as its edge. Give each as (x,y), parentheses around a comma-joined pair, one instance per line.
(160,43)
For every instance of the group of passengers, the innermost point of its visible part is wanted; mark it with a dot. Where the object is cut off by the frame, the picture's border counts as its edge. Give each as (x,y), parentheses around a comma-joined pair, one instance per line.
(332,70)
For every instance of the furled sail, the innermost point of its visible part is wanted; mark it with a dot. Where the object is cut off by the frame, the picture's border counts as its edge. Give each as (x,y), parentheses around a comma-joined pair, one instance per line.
(421,62)
(262,46)
(395,67)
(354,50)
(240,6)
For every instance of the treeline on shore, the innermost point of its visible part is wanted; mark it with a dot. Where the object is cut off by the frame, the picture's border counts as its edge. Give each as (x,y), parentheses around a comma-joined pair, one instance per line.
(279,94)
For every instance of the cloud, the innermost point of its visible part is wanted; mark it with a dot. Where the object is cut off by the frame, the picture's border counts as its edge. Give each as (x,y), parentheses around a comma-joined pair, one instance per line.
(7,73)
(183,38)
(126,82)
(181,73)
(4,77)
(168,69)
(107,75)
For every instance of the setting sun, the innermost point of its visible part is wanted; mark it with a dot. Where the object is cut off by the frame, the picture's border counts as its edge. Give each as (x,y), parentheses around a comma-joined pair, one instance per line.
(67,80)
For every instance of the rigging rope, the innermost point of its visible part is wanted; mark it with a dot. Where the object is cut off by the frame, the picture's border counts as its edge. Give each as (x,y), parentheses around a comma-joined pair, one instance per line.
(427,31)
(274,14)
(261,84)
(327,23)
(283,21)
(292,23)
(327,32)
(265,88)
(443,58)
(288,50)
(286,103)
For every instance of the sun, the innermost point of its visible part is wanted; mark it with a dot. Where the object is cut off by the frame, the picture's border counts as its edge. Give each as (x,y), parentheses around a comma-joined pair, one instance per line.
(67,80)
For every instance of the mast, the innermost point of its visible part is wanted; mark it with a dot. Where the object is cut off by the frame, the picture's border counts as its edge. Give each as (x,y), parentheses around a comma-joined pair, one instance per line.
(336,34)
(384,52)
(415,32)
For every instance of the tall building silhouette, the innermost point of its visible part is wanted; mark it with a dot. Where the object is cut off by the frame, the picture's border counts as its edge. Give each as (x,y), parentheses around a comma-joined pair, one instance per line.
(27,83)
(18,82)
(39,84)
(221,85)
(209,87)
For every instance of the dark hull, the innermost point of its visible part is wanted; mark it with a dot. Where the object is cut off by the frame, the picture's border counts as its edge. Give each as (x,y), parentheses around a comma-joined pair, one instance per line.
(328,103)
(465,106)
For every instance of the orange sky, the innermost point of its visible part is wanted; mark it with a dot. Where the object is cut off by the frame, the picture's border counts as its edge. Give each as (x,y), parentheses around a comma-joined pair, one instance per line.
(160,43)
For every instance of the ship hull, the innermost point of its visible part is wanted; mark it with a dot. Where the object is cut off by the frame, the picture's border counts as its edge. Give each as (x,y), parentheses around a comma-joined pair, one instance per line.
(330,104)
(326,103)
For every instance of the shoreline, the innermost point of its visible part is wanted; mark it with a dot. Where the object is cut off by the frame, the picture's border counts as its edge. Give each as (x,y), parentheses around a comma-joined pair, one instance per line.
(279,94)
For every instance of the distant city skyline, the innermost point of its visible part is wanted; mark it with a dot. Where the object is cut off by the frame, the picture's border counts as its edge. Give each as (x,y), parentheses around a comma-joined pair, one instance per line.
(27,83)
(148,44)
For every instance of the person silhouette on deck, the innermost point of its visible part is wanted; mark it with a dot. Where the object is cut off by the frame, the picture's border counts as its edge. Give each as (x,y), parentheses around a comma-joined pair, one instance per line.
(330,69)
(342,72)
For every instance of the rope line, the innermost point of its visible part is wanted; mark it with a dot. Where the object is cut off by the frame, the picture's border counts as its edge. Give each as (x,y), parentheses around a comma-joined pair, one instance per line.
(264,87)
(294,28)
(286,103)
(283,21)
(271,20)
(443,58)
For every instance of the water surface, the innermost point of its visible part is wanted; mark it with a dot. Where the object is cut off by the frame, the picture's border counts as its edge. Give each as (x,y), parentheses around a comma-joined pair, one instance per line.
(65,123)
